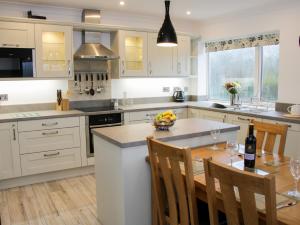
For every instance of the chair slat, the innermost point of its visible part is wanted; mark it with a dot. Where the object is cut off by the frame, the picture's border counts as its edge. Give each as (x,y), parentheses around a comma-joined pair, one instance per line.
(248,206)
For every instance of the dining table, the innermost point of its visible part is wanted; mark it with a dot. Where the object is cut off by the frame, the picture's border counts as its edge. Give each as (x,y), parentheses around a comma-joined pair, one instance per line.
(266,163)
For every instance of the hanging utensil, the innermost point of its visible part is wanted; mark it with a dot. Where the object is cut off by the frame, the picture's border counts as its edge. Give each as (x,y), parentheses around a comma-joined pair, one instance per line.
(75,80)
(98,83)
(92,91)
(86,90)
(102,81)
(80,90)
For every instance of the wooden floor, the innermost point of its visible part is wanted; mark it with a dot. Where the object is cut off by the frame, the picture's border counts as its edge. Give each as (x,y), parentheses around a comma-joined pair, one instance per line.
(69,201)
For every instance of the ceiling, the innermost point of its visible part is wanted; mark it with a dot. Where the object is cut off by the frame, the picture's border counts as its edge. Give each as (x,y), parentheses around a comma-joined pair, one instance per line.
(200,9)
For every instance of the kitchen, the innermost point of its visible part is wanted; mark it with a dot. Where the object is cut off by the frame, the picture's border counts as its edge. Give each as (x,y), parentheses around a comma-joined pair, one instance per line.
(130,84)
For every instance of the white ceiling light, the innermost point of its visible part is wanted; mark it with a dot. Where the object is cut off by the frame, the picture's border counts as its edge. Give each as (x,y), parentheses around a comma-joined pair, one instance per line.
(122,3)
(188,13)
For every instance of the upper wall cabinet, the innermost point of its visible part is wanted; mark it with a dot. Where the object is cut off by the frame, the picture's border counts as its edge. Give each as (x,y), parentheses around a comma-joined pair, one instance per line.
(160,59)
(16,35)
(141,57)
(132,49)
(182,54)
(54,58)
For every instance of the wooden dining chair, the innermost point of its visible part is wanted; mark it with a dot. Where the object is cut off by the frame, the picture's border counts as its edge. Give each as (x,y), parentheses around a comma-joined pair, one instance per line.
(247,184)
(171,189)
(266,136)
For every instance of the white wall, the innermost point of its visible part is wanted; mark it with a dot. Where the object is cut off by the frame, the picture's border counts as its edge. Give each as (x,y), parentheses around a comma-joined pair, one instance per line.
(286,21)
(152,87)
(44,91)
(27,92)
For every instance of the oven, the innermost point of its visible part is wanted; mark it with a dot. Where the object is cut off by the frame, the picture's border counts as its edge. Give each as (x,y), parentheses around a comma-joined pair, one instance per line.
(98,121)
(17,63)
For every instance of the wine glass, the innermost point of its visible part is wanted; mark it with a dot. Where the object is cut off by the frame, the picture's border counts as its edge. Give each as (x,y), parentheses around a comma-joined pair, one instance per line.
(215,134)
(295,171)
(233,148)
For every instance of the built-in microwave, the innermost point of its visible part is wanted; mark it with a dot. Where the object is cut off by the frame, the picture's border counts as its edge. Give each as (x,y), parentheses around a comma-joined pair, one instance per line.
(17,63)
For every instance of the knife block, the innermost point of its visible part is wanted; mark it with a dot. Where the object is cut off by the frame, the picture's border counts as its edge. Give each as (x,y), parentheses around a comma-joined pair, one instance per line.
(64,105)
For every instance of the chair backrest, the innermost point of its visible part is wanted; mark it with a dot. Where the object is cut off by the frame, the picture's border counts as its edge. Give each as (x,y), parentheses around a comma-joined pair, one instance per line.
(166,163)
(247,184)
(266,136)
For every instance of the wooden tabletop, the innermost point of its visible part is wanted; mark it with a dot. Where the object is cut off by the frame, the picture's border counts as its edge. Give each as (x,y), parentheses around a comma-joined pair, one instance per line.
(284,179)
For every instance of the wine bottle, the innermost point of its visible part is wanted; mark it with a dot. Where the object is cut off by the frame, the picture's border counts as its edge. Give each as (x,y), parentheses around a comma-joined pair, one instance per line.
(250,149)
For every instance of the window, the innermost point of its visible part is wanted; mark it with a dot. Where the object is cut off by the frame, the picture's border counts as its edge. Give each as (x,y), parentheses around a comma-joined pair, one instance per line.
(255,68)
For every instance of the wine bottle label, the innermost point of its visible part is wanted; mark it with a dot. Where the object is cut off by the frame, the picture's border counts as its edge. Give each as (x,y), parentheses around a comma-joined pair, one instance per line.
(249,156)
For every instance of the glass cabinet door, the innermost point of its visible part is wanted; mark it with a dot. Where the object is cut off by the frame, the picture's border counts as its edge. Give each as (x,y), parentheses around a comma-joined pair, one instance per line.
(133,53)
(54,51)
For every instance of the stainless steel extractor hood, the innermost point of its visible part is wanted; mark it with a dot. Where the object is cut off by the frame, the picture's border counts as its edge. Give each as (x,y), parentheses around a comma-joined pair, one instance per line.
(96,51)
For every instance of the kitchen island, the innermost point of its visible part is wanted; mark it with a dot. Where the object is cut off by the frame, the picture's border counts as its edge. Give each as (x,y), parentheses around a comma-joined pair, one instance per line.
(123,181)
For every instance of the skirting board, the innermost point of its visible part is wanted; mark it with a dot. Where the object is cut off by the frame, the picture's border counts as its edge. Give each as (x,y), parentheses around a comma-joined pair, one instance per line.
(44,177)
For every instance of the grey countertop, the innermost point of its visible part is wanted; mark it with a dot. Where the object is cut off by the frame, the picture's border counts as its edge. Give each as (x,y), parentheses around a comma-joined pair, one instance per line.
(135,134)
(205,105)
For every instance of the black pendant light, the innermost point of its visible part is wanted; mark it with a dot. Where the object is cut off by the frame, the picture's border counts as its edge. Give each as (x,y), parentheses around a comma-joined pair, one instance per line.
(167,35)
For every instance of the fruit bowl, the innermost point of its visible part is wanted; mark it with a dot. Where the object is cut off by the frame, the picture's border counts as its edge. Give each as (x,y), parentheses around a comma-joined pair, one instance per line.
(165,120)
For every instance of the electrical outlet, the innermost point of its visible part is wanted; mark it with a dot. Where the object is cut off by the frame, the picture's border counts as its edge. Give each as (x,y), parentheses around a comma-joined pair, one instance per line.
(3,97)
(166,89)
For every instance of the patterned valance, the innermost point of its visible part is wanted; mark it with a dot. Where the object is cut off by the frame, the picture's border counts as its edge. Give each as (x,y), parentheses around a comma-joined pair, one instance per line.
(254,41)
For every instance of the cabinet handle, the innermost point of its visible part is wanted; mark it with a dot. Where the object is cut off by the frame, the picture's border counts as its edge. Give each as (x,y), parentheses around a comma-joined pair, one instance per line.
(69,67)
(49,124)
(224,118)
(123,67)
(179,67)
(51,155)
(11,45)
(150,68)
(244,119)
(50,133)
(14,133)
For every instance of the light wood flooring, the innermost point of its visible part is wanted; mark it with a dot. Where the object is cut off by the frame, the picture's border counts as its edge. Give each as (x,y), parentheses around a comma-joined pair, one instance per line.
(70,201)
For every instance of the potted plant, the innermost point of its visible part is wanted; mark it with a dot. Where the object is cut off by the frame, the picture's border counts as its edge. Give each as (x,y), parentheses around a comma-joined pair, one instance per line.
(233,89)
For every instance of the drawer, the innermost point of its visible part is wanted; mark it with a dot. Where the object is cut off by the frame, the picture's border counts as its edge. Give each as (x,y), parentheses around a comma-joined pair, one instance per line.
(48,124)
(44,162)
(143,115)
(46,140)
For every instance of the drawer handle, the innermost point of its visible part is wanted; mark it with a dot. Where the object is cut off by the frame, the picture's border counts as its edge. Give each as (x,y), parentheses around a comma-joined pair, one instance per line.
(10,45)
(51,155)
(50,133)
(244,119)
(49,124)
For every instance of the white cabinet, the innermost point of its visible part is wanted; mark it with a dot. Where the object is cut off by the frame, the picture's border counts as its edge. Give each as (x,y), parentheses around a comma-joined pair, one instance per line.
(16,35)
(54,58)
(193,113)
(132,49)
(243,122)
(43,162)
(215,116)
(182,54)
(292,146)
(148,116)
(46,140)
(9,151)
(141,57)
(161,60)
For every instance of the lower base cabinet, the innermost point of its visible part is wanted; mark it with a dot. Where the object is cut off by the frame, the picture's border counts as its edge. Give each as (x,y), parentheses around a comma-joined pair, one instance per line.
(9,151)
(49,161)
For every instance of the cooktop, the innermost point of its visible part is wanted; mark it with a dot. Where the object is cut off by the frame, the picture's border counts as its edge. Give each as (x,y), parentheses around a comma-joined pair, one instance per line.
(97,109)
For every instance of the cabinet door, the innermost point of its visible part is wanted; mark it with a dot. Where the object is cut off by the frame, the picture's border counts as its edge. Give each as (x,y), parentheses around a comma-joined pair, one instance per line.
(133,53)
(243,122)
(193,113)
(182,55)
(9,151)
(160,59)
(54,51)
(292,139)
(215,116)
(16,35)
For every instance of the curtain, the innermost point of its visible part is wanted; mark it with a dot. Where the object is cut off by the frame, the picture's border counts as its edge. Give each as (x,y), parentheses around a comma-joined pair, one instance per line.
(254,41)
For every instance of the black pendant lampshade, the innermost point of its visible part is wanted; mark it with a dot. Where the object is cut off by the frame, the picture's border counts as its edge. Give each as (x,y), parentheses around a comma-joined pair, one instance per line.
(167,35)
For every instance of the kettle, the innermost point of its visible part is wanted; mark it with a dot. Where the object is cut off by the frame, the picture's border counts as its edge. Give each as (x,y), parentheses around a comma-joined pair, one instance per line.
(178,96)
